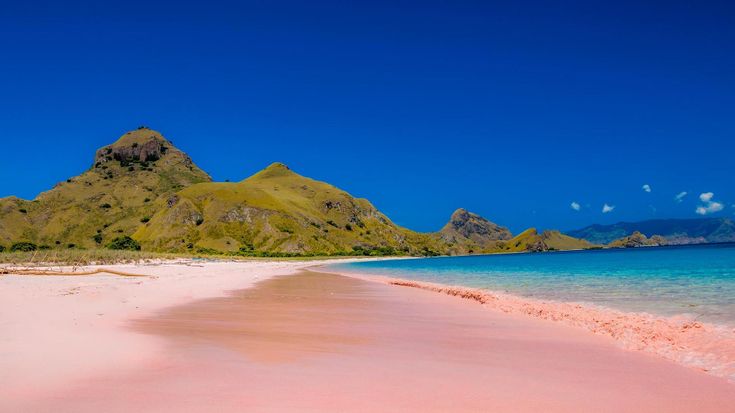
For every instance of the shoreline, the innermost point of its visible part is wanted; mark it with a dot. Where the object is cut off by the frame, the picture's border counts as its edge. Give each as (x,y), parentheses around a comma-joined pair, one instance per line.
(697,345)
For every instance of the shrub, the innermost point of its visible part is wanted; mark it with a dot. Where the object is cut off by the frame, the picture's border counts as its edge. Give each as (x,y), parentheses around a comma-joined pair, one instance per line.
(124,243)
(145,219)
(71,246)
(348,227)
(199,221)
(147,200)
(2,248)
(97,238)
(105,206)
(23,211)
(23,246)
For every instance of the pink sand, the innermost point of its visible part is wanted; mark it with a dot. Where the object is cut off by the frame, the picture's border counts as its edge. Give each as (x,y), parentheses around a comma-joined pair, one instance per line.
(323,342)
(698,345)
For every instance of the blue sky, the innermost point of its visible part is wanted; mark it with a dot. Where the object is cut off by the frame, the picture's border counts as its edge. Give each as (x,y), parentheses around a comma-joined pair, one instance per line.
(513,110)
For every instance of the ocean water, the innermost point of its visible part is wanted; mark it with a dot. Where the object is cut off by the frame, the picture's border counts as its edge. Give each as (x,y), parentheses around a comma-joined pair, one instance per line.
(695,281)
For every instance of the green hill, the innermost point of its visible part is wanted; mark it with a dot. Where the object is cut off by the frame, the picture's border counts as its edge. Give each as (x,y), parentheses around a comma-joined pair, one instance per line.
(122,188)
(531,241)
(276,211)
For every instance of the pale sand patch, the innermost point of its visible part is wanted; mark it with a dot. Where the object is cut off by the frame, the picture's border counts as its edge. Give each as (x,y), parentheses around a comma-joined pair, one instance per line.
(324,342)
(57,329)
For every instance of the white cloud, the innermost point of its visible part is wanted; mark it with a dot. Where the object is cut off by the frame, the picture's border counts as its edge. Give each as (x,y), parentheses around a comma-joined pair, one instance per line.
(709,206)
(575,206)
(607,208)
(646,188)
(680,196)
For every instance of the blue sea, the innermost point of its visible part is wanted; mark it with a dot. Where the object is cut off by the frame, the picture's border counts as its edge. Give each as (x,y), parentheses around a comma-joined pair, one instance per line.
(697,281)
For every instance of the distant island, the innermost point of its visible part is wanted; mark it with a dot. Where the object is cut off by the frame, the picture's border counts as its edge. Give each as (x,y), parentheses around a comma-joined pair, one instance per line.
(141,192)
(661,231)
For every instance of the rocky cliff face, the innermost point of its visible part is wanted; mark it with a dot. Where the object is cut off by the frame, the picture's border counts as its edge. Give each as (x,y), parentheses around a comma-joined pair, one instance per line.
(467,226)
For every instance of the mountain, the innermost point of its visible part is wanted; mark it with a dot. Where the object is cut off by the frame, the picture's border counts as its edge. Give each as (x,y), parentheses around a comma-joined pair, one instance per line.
(531,241)
(674,231)
(472,233)
(123,187)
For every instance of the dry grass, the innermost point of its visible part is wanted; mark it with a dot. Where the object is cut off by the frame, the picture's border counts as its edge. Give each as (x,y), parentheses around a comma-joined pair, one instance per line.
(80,258)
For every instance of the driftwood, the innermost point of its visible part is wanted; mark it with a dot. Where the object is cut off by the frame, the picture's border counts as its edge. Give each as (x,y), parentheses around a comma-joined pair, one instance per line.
(36,271)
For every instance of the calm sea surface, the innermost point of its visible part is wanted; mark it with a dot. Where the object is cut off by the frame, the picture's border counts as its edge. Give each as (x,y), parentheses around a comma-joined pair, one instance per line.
(697,281)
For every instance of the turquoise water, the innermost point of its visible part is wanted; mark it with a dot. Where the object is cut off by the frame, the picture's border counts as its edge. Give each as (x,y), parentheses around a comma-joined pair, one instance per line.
(697,281)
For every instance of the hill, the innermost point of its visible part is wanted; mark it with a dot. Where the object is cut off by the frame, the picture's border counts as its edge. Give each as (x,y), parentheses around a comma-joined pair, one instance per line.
(674,231)
(470,232)
(276,211)
(551,240)
(636,240)
(123,187)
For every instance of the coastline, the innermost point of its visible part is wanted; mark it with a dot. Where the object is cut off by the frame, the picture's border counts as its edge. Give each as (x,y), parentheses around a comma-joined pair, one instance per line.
(698,345)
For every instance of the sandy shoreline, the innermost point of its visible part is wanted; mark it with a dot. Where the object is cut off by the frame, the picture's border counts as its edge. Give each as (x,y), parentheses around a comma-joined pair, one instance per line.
(56,329)
(194,338)
(694,344)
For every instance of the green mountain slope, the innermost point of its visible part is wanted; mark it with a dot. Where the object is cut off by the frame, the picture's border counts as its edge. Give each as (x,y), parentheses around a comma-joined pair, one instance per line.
(276,211)
(110,199)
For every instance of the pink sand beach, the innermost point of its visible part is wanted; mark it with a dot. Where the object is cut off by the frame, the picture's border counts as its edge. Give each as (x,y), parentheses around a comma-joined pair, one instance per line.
(272,336)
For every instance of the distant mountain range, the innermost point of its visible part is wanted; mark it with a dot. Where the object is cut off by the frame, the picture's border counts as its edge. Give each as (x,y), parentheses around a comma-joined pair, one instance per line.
(670,231)
(142,192)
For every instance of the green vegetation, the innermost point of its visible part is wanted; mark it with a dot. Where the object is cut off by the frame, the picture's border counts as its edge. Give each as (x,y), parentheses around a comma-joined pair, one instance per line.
(23,246)
(124,243)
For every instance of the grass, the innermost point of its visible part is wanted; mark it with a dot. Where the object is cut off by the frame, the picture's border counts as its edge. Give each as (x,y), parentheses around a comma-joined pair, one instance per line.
(78,258)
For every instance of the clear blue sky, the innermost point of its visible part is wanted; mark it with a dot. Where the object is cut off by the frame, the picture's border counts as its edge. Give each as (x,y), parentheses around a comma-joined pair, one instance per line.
(513,110)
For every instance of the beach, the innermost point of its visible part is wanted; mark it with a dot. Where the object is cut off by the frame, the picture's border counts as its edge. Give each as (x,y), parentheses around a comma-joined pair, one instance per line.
(283,336)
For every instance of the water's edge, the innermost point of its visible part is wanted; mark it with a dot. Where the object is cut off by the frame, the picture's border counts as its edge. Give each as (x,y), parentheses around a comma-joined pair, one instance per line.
(699,345)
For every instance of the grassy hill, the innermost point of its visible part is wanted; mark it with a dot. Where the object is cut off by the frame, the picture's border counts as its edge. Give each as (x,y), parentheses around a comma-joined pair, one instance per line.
(122,188)
(277,211)
(531,241)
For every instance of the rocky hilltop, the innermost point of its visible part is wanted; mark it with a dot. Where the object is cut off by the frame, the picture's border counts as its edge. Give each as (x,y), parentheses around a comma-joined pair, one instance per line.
(472,230)
(111,199)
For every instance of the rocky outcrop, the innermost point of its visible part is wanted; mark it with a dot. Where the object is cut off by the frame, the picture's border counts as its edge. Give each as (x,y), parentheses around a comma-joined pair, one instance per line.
(637,239)
(464,225)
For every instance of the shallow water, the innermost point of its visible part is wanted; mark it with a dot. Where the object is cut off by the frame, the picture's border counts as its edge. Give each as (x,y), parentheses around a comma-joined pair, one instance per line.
(695,281)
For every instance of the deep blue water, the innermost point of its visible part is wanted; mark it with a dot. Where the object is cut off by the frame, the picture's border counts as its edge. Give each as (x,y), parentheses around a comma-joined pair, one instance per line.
(698,280)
